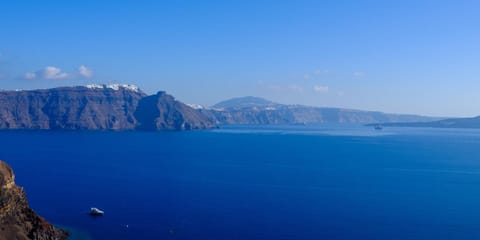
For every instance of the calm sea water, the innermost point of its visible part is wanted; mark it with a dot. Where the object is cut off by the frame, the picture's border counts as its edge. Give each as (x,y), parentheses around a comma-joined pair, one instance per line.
(282,182)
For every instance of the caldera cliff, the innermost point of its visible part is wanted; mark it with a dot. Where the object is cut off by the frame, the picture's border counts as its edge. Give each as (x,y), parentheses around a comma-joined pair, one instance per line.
(96,107)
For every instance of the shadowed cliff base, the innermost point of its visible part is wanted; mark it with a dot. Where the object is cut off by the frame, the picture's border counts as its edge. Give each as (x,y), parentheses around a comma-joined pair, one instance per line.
(162,112)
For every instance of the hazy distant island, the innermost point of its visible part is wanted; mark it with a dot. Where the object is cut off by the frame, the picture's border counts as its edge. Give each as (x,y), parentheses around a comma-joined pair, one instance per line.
(254,111)
(473,122)
(126,107)
(17,219)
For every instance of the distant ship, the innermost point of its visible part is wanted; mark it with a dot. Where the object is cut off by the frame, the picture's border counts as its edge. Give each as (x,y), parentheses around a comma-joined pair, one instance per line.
(378,127)
(96,212)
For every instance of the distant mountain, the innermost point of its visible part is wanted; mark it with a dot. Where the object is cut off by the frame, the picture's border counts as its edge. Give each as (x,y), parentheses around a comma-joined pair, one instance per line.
(96,107)
(473,122)
(252,110)
(244,102)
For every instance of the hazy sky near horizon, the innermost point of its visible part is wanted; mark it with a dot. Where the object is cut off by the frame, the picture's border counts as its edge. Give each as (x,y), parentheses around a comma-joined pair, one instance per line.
(419,57)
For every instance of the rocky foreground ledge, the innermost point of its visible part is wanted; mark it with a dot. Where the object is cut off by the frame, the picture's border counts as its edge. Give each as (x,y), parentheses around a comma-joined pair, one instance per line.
(17,220)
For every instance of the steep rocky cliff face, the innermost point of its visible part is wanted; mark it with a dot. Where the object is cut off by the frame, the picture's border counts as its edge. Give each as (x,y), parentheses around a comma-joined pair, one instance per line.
(96,107)
(69,108)
(163,112)
(17,220)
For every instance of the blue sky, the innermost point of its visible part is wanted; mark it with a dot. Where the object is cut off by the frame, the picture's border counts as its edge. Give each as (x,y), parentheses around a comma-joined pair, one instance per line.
(395,56)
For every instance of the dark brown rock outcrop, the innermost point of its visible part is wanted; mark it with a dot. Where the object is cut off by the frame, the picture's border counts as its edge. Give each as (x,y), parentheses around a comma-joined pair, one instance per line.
(17,220)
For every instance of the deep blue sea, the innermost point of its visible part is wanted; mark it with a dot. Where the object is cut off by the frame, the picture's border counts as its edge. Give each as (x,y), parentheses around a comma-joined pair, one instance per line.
(245,182)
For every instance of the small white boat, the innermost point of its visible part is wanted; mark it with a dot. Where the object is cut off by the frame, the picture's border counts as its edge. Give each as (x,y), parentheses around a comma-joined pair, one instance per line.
(96,212)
